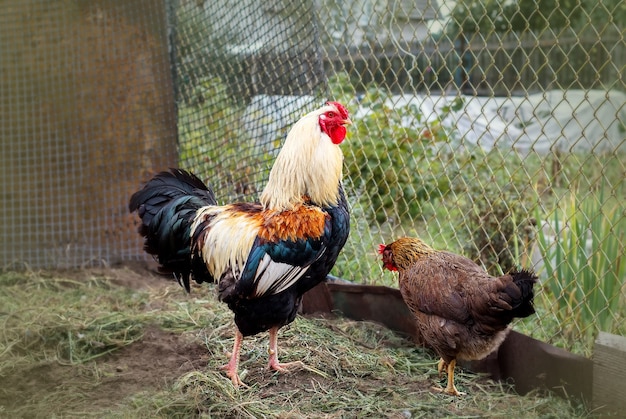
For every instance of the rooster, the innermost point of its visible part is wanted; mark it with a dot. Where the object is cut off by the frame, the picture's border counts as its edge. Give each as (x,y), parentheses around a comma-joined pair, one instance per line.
(264,255)
(462,312)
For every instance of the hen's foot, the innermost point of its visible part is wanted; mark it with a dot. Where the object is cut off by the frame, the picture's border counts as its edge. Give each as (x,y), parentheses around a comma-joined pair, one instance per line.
(451,391)
(450,388)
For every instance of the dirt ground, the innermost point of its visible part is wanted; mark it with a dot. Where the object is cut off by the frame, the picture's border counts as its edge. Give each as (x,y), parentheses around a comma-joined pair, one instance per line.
(152,363)
(149,364)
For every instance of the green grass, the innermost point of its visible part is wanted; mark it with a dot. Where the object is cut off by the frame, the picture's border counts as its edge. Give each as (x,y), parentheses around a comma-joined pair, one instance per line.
(78,345)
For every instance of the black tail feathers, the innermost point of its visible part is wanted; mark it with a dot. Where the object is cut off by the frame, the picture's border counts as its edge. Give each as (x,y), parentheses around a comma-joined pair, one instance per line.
(165,187)
(525,280)
(167,205)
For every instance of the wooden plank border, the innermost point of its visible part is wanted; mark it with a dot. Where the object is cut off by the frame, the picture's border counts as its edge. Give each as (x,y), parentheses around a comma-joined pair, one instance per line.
(609,373)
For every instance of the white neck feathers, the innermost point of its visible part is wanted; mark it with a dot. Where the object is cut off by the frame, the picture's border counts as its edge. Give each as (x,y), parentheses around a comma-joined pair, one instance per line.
(309,164)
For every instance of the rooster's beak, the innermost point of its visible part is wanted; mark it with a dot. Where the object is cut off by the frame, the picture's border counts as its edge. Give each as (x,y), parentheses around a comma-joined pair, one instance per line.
(346,121)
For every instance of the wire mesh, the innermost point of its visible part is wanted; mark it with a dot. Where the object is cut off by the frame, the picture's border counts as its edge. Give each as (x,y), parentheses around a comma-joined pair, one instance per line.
(245,73)
(492,129)
(86,109)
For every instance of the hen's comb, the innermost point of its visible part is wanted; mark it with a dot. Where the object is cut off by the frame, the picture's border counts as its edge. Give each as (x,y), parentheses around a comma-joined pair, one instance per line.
(340,108)
(381,249)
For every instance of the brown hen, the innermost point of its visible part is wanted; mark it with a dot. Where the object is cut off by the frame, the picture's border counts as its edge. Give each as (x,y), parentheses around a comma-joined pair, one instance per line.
(462,312)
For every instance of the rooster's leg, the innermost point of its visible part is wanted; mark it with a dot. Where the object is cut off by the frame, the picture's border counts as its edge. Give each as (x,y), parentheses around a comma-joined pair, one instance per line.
(273,351)
(233,365)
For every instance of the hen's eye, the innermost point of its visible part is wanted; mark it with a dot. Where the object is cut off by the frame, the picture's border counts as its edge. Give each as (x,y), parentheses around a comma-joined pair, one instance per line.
(331,114)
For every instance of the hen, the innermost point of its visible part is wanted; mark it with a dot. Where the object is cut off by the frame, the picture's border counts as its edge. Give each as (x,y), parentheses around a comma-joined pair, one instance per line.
(462,312)
(265,255)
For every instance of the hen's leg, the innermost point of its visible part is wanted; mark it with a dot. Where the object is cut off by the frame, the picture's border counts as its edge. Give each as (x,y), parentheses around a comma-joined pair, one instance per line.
(450,388)
(441,366)
(233,365)
(273,351)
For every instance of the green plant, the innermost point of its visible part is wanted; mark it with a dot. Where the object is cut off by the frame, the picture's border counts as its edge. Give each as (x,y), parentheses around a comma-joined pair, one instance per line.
(585,265)
(499,227)
(494,209)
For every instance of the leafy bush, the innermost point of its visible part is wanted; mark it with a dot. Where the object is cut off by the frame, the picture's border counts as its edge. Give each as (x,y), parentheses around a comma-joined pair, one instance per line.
(387,164)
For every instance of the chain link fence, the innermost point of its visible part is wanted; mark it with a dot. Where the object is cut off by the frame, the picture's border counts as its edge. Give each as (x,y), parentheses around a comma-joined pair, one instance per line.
(493,129)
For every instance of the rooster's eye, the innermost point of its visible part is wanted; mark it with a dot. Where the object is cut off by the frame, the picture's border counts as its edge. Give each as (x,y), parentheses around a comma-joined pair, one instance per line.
(331,114)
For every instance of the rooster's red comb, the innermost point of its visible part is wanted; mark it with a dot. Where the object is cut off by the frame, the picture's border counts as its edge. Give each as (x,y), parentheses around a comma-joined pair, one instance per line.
(381,249)
(340,108)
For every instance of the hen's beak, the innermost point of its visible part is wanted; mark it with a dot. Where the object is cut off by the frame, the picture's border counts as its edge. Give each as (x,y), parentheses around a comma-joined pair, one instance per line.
(346,121)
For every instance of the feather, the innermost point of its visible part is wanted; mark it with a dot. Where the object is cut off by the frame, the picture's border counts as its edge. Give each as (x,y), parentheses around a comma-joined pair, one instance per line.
(274,277)
(223,236)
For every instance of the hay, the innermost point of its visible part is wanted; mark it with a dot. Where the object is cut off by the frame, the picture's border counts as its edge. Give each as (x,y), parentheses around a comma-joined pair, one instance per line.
(76,335)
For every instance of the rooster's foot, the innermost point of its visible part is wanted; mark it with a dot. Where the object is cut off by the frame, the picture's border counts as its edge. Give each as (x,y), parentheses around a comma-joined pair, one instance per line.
(231,372)
(232,367)
(287,366)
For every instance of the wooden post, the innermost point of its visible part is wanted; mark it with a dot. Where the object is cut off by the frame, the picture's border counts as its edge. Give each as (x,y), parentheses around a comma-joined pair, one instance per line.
(609,373)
